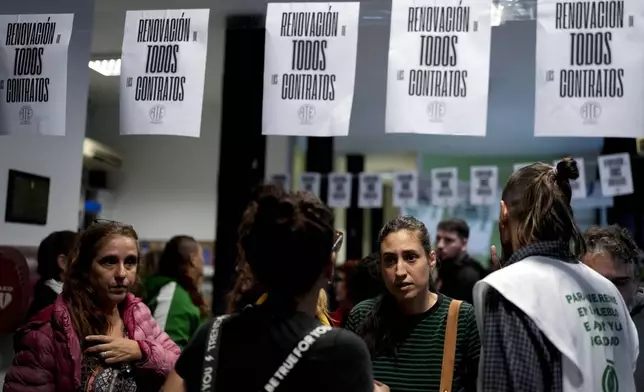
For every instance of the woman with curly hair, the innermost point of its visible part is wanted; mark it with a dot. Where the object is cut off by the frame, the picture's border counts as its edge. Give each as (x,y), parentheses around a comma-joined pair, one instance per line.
(290,245)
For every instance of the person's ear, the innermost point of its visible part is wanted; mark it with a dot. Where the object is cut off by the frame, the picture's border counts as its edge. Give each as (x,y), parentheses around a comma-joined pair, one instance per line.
(432,259)
(194,259)
(61,260)
(464,247)
(504,215)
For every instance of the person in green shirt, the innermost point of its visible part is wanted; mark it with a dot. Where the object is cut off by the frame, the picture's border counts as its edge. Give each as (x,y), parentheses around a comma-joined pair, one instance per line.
(405,329)
(173,295)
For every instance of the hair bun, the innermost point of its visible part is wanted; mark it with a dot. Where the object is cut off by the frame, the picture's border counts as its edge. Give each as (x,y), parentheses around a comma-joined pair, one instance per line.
(271,209)
(567,169)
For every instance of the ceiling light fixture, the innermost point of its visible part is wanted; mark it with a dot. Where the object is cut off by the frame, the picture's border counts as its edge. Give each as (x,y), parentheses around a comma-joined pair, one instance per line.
(106,67)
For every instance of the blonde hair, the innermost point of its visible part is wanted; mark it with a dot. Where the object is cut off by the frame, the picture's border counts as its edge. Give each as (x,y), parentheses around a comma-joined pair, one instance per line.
(322,311)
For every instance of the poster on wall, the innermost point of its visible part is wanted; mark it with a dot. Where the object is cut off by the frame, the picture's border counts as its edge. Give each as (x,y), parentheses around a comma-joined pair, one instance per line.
(309,68)
(589,62)
(615,174)
(339,192)
(484,185)
(163,67)
(310,182)
(370,195)
(578,186)
(33,73)
(405,189)
(445,186)
(439,67)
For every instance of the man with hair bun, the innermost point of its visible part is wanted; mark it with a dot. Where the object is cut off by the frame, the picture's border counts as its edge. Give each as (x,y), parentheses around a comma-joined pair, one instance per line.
(548,322)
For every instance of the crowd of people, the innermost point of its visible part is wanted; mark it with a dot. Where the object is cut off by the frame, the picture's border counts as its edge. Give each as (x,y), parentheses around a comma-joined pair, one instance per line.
(558,309)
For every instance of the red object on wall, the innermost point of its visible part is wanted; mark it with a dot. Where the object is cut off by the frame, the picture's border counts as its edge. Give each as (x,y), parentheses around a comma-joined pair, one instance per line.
(14,289)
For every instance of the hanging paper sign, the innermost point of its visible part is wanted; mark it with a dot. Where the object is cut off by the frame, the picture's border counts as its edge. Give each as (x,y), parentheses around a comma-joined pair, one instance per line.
(163,70)
(445,186)
(309,68)
(589,68)
(310,182)
(339,193)
(438,73)
(519,166)
(615,174)
(282,180)
(405,189)
(578,186)
(484,185)
(33,73)
(370,190)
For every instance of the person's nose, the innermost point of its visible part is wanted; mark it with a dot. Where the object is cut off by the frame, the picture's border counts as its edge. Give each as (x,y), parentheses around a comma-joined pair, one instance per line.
(440,244)
(401,269)
(119,274)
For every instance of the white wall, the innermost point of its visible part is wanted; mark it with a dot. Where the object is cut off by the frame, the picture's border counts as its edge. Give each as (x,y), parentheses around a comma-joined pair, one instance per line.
(59,158)
(167,185)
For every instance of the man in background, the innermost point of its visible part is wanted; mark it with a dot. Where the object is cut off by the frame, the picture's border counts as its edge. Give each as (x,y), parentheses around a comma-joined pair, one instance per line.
(613,253)
(457,272)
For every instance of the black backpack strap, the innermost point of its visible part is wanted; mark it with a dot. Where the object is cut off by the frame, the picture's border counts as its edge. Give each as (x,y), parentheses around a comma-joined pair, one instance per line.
(211,355)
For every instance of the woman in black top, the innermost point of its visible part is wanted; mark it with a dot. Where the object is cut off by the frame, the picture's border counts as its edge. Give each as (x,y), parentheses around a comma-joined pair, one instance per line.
(289,242)
(52,256)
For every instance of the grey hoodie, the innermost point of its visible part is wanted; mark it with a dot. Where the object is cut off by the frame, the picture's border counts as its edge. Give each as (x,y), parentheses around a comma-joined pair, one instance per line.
(637,314)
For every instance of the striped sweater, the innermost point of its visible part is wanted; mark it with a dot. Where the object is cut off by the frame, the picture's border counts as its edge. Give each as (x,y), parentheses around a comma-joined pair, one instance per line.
(416,367)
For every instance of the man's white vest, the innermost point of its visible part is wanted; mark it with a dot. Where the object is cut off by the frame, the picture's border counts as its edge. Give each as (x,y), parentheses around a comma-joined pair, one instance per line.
(580,312)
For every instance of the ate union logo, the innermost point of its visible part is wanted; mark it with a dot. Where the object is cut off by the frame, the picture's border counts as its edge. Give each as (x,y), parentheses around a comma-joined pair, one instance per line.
(5,296)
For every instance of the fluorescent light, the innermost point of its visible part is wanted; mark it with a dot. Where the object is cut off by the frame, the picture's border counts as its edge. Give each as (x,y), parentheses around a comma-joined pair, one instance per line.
(106,67)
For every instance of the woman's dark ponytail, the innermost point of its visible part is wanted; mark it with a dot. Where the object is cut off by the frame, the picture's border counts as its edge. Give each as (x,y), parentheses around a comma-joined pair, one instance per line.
(378,329)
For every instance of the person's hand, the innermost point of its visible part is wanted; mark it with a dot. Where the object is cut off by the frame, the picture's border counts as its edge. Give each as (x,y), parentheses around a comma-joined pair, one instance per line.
(494,259)
(115,350)
(380,387)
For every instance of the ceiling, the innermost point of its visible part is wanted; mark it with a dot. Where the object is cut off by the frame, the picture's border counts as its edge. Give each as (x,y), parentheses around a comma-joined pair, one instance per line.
(511,91)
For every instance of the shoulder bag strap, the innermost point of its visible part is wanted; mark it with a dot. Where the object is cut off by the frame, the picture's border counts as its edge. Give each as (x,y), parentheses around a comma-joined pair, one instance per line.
(449,349)
(294,357)
(209,370)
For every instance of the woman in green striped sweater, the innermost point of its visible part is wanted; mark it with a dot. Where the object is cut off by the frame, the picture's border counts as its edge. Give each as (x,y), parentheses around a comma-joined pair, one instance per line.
(405,329)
